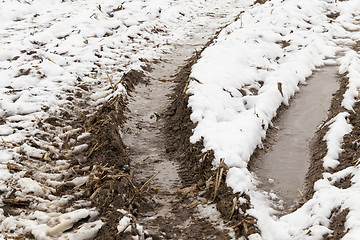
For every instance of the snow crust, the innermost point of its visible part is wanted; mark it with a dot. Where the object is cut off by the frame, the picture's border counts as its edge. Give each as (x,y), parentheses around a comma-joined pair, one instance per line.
(50,48)
(254,66)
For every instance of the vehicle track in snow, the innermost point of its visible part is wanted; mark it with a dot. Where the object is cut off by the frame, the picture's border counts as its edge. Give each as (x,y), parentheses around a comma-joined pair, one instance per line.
(283,164)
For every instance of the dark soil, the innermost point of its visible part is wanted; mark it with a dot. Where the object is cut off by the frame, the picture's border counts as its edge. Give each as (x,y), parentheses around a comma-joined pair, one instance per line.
(347,158)
(260,1)
(356,46)
(110,185)
(337,225)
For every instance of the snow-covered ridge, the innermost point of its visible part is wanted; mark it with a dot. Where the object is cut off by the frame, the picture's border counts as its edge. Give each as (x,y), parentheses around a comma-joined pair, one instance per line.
(255,65)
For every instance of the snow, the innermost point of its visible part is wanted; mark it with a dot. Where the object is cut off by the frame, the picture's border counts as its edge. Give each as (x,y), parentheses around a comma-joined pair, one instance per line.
(127,222)
(260,58)
(80,180)
(350,63)
(240,81)
(123,224)
(334,137)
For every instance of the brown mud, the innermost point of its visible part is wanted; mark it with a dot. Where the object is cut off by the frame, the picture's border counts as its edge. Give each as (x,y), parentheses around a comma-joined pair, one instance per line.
(116,180)
(319,147)
(178,192)
(131,141)
(347,158)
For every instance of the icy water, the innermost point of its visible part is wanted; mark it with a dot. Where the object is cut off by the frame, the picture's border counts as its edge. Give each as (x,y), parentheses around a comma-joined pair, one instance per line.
(146,142)
(143,131)
(283,168)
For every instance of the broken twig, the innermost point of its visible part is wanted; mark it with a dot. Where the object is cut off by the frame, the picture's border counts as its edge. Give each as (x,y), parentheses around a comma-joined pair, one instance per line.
(302,195)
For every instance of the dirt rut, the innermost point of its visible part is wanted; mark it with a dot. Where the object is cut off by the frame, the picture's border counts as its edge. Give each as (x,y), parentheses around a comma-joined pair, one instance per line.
(171,215)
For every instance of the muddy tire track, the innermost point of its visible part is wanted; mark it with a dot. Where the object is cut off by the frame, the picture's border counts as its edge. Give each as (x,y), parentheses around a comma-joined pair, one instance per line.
(283,164)
(168,213)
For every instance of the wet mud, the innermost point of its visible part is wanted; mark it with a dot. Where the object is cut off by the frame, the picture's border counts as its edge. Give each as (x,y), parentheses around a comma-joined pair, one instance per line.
(157,140)
(109,186)
(283,166)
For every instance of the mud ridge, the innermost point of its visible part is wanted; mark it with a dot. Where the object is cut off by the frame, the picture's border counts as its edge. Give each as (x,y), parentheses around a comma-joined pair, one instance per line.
(110,185)
(99,155)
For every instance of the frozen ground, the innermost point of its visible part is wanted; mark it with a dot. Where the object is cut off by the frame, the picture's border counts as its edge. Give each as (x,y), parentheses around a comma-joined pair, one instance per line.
(60,57)
(255,66)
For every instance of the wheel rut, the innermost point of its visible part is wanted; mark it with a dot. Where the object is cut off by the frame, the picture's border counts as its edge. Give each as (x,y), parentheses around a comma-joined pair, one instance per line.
(283,165)
(171,215)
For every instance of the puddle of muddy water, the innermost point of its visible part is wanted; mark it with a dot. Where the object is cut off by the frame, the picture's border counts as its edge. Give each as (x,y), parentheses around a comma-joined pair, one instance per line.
(283,168)
(143,135)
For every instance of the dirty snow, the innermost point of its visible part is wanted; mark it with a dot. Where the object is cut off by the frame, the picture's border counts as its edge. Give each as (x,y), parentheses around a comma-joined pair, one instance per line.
(256,65)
